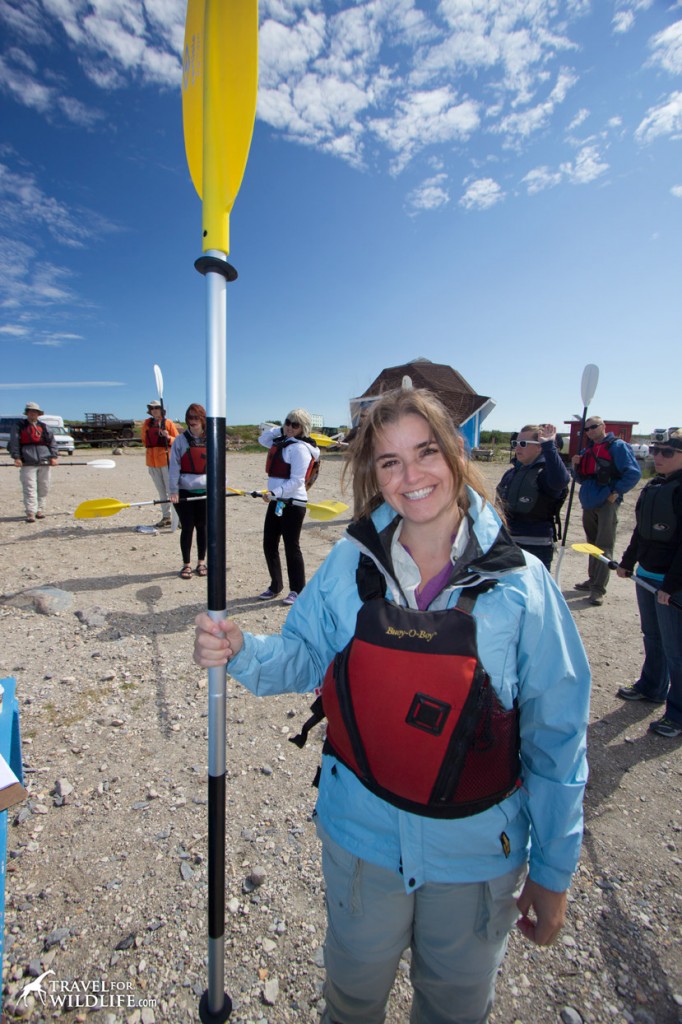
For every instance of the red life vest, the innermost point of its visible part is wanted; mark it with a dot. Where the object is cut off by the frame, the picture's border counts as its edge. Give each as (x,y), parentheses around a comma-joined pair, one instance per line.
(194,459)
(31,433)
(412,712)
(597,461)
(277,467)
(152,438)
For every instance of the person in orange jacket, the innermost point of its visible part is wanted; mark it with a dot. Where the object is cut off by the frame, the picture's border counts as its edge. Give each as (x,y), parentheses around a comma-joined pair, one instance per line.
(158,434)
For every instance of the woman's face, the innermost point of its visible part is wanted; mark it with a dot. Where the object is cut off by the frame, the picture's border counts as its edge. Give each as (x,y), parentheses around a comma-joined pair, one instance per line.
(292,428)
(671,464)
(412,474)
(196,427)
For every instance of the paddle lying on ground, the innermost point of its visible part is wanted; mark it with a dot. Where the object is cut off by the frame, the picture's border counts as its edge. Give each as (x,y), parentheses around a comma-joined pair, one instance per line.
(588,386)
(320,510)
(97,508)
(93,464)
(591,549)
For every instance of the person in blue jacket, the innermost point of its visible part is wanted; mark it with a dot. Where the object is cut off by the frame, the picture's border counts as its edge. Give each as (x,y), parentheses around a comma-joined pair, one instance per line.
(606,469)
(532,491)
(456,692)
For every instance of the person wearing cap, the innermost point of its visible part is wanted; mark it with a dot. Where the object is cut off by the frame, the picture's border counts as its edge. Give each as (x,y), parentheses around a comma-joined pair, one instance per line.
(532,491)
(158,434)
(656,549)
(34,450)
(606,469)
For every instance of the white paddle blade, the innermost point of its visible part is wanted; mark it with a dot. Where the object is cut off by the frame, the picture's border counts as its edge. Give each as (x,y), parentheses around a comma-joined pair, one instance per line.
(158,377)
(102,464)
(588,384)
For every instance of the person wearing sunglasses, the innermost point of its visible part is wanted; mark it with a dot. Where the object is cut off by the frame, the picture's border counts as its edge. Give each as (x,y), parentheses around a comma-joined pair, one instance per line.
(606,469)
(456,694)
(533,490)
(291,465)
(656,549)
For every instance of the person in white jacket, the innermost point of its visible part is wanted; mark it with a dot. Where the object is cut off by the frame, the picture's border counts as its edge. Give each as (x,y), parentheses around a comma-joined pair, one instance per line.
(456,692)
(291,457)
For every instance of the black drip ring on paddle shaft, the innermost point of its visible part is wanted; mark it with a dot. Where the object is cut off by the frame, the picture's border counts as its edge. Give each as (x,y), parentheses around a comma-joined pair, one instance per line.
(209,264)
(214,1018)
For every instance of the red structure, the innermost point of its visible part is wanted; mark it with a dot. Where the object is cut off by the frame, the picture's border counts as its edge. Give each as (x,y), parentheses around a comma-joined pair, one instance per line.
(621,428)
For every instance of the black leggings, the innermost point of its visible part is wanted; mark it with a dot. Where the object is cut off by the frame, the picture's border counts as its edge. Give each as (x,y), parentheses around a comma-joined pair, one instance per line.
(192,516)
(288,527)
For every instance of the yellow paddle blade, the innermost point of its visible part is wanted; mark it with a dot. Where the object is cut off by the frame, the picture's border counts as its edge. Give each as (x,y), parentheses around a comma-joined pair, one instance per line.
(322,441)
(219,90)
(587,549)
(98,508)
(324,510)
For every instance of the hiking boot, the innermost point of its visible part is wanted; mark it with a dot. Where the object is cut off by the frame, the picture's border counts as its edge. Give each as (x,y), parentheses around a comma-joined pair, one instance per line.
(632,693)
(596,598)
(290,598)
(583,586)
(30,518)
(666,727)
(163,523)
(40,515)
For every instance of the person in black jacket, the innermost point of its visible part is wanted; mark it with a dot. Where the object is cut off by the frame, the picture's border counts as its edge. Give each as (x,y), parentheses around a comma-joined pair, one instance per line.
(656,548)
(533,490)
(34,450)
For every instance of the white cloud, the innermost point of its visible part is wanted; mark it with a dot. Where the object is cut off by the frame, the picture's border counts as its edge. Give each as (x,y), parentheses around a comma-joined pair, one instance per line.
(481,194)
(425,118)
(579,119)
(667,48)
(676,191)
(587,166)
(665,119)
(623,21)
(524,123)
(541,178)
(430,195)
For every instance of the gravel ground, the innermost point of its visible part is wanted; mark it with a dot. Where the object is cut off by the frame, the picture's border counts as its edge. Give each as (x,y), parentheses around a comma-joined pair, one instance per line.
(106,861)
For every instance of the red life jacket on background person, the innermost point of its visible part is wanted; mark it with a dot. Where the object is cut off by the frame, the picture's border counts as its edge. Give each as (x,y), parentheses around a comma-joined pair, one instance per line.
(152,438)
(597,461)
(411,711)
(31,433)
(277,467)
(194,459)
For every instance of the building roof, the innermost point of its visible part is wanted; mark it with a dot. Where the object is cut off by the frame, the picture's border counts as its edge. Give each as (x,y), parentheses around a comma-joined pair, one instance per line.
(454,392)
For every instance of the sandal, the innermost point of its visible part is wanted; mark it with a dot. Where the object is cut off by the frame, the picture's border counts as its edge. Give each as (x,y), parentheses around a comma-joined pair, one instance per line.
(186,572)
(202,569)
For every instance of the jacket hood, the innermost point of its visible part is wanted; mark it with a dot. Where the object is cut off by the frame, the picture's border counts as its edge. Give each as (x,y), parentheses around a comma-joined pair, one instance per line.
(489,554)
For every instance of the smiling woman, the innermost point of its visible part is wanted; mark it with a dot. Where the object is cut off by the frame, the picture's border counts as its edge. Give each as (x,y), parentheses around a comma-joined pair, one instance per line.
(455,688)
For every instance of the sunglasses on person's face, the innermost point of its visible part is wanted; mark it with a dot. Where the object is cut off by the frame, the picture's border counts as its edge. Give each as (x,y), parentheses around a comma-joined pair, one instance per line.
(523,444)
(292,423)
(592,426)
(666,453)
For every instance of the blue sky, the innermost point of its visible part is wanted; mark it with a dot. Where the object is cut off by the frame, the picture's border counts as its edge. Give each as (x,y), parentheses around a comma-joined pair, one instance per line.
(492,184)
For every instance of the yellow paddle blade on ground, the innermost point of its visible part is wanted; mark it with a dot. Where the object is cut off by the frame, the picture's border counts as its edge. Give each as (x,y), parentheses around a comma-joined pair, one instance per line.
(98,508)
(322,441)
(219,89)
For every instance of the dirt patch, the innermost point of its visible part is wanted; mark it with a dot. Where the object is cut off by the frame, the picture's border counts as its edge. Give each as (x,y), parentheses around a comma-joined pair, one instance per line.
(107,880)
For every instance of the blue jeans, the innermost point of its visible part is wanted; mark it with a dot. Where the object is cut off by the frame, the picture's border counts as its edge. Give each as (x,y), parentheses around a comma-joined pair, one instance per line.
(661,675)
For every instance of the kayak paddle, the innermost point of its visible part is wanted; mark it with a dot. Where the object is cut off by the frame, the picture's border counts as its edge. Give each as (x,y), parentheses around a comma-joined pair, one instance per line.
(93,464)
(219,88)
(592,549)
(320,510)
(588,386)
(98,508)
